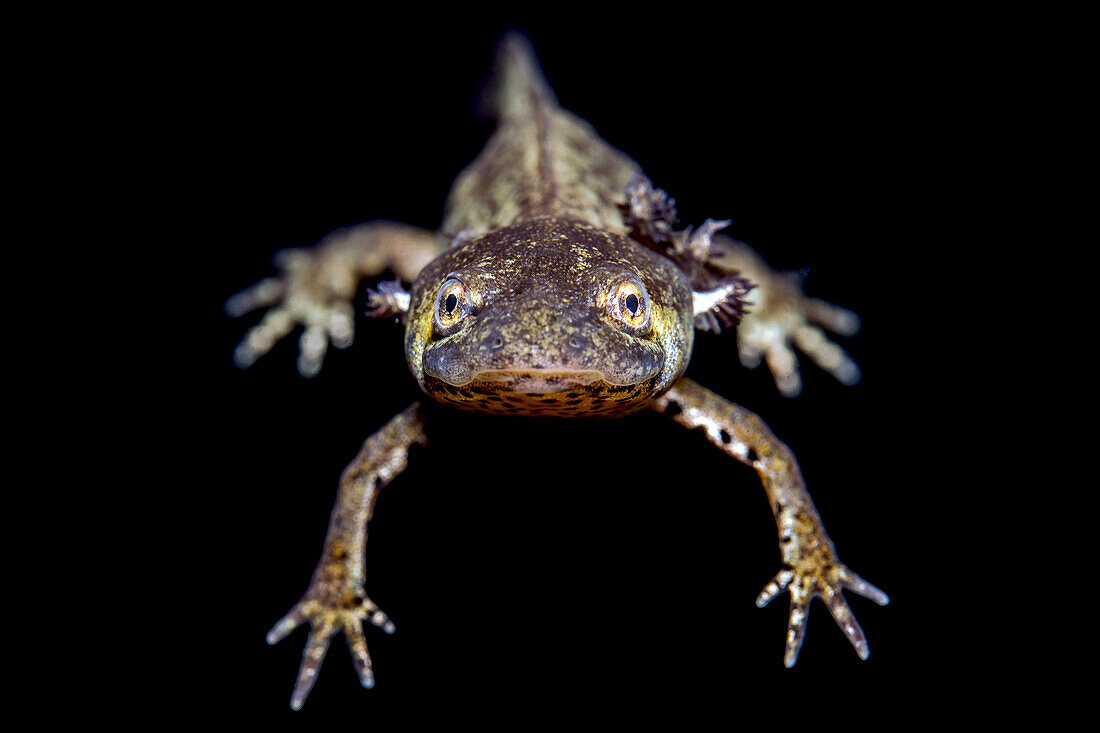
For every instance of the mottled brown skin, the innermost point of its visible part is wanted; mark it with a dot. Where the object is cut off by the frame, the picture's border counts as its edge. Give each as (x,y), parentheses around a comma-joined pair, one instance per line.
(540,161)
(546,302)
(336,600)
(537,314)
(810,566)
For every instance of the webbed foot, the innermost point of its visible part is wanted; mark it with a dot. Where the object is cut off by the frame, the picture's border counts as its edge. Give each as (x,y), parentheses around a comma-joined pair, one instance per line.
(824,580)
(327,614)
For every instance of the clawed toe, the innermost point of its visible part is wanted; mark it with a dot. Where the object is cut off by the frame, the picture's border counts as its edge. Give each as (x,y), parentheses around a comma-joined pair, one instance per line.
(803,589)
(325,622)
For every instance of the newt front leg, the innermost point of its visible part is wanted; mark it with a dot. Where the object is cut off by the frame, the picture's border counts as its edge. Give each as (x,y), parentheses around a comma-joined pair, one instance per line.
(336,601)
(810,566)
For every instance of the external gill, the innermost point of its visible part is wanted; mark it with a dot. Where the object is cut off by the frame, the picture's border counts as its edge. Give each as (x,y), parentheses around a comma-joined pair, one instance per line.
(721,306)
(718,295)
(389,299)
(650,214)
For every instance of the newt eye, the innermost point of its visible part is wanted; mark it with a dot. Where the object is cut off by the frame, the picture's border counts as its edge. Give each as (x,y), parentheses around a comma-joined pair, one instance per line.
(632,304)
(629,304)
(452,304)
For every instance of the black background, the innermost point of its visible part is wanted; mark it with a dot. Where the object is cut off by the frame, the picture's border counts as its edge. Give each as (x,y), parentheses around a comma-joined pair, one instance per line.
(539,568)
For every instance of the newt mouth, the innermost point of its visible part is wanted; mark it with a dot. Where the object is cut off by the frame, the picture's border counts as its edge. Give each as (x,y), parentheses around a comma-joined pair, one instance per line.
(538,381)
(581,393)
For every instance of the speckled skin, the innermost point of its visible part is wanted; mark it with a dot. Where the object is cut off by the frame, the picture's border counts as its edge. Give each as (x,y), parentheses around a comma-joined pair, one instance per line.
(540,288)
(556,286)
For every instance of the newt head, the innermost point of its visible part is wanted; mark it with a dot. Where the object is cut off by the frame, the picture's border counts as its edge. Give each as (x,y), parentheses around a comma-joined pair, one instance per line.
(547,317)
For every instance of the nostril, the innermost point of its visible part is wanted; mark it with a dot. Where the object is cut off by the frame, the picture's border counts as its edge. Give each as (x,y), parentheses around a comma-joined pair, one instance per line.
(494,340)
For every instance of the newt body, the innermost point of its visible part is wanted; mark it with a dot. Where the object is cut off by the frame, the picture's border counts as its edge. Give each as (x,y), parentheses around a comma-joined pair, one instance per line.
(557,285)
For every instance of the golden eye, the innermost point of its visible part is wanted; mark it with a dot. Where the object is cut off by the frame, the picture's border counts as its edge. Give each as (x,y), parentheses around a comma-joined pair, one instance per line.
(630,304)
(452,304)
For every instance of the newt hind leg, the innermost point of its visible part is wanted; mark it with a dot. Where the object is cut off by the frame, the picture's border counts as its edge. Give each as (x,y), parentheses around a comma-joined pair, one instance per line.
(315,288)
(781,321)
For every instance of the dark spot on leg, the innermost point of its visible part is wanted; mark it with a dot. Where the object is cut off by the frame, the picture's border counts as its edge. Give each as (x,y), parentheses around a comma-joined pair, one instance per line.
(726,437)
(752,456)
(672,409)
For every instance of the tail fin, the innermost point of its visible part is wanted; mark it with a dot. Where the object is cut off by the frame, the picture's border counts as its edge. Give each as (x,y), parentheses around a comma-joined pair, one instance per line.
(519,87)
